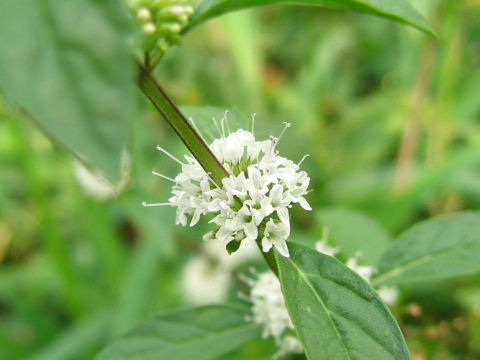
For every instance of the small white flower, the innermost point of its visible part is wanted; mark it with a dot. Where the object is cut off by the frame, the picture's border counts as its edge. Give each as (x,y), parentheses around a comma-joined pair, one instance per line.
(275,234)
(252,203)
(247,224)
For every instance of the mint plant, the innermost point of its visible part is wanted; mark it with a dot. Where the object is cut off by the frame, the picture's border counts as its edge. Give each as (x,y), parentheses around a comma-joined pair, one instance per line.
(95,56)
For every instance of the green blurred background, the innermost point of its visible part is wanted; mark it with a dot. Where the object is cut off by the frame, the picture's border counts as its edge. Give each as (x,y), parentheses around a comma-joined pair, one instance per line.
(389,116)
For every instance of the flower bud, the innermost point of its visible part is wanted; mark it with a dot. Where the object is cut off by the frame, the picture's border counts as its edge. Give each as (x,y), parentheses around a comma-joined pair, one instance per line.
(149,28)
(161,20)
(144,14)
(170,28)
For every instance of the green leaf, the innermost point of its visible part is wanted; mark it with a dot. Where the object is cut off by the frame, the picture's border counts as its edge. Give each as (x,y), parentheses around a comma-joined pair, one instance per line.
(397,211)
(233,246)
(398,10)
(353,231)
(76,340)
(436,249)
(68,65)
(337,315)
(199,334)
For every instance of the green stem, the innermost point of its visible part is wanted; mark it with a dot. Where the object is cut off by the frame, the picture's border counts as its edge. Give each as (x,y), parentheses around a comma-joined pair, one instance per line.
(270,259)
(268,256)
(192,140)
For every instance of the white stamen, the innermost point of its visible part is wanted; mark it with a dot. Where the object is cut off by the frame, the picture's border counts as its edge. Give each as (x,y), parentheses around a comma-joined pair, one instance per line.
(163,176)
(222,124)
(225,116)
(246,279)
(216,125)
(169,155)
(286,125)
(196,128)
(303,159)
(144,204)
(244,297)
(253,123)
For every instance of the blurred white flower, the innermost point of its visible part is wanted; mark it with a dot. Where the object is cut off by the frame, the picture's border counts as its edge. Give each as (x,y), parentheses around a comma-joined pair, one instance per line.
(269,309)
(93,183)
(248,252)
(388,294)
(96,185)
(204,282)
(288,344)
(323,247)
(253,202)
(365,272)
(206,278)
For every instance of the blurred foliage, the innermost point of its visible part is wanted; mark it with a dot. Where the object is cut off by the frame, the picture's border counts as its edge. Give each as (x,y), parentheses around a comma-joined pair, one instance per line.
(389,116)
(77,52)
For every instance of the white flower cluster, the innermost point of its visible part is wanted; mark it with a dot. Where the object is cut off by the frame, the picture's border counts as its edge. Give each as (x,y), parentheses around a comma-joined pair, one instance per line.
(252,202)
(161,21)
(269,309)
